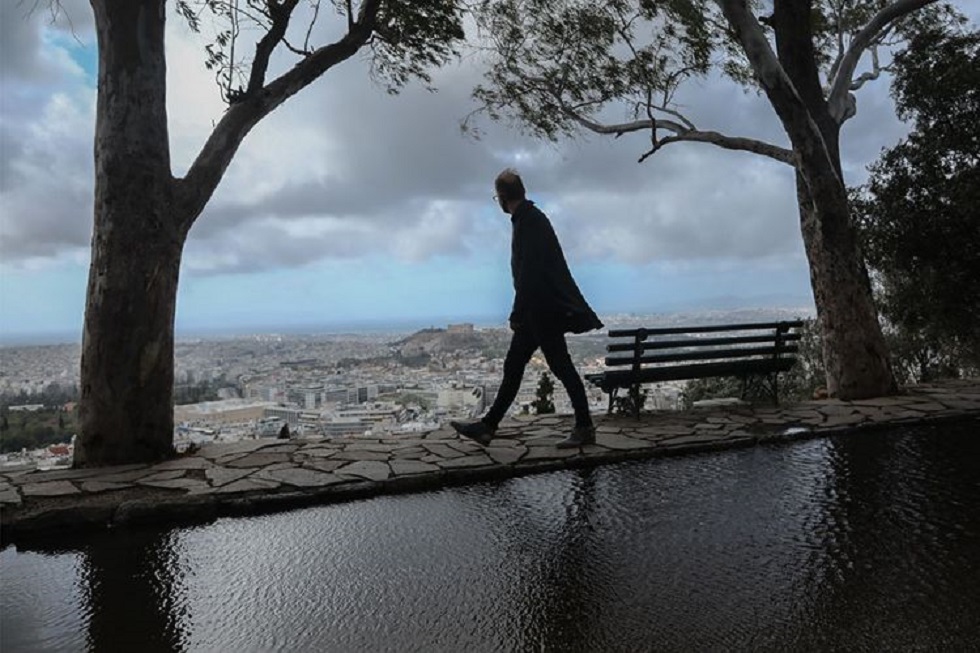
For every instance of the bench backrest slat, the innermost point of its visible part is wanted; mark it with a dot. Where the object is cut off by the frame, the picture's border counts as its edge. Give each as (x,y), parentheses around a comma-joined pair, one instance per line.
(699,342)
(666,331)
(701,355)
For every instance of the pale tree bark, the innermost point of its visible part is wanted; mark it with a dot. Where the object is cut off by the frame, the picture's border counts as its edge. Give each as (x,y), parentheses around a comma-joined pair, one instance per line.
(143,215)
(855,355)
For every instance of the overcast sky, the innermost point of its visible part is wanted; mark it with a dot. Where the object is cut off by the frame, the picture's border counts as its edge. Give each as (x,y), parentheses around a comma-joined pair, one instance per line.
(348,205)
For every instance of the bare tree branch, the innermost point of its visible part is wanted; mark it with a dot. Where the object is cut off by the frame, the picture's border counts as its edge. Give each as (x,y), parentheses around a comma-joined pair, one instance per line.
(279,14)
(202,178)
(685,132)
(875,73)
(840,86)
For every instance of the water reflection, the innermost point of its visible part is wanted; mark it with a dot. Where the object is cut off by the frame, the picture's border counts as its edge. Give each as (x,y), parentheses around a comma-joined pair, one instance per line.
(133,593)
(867,542)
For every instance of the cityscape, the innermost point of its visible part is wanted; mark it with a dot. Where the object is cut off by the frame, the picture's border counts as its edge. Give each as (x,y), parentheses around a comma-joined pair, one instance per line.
(382,383)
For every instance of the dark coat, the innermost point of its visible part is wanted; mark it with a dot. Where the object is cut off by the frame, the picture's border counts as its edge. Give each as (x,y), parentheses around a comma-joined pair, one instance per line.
(545,294)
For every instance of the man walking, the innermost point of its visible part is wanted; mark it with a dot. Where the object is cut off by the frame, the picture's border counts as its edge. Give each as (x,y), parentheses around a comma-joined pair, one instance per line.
(547,305)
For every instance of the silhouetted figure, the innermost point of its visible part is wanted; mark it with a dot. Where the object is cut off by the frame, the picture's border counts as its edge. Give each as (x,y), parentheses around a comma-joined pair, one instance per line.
(284,432)
(547,305)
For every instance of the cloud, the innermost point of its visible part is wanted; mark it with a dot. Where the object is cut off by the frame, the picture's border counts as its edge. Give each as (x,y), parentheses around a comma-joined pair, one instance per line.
(344,171)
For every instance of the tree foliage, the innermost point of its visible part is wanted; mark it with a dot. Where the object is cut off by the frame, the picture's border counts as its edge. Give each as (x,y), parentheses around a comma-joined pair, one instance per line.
(615,66)
(800,383)
(919,215)
(408,39)
(544,403)
(31,430)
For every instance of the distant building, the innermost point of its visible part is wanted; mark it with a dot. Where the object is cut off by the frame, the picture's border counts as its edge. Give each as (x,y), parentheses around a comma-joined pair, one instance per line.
(288,415)
(344,427)
(226,411)
(469,398)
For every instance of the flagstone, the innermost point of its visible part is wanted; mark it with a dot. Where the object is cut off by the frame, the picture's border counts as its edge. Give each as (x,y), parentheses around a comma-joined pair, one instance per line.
(961,404)
(743,419)
(478,460)
(620,442)
(164,476)
(548,453)
(465,447)
(259,460)
(300,477)
(378,448)
(931,407)
(324,465)
(406,467)
(903,414)
(69,474)
(49,489)
(506,455)
(371,470)
(176,484)
(708,427)
(275,466)
(10,495)
(361,455)
(94,487)
(194,462)
(246,485)
(320,453)
(223,475)
(442,450)
(281,448)
(124,477)
(504,442)
(224,460)
(408,452)
(535,434)
(608,429)
(412,455)
(441,434)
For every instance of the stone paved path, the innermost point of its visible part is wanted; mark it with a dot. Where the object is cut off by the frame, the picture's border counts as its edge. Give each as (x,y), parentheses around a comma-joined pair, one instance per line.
(267,474)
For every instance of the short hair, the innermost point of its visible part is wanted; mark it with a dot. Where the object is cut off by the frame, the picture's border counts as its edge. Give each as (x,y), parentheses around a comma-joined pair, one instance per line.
(509,185)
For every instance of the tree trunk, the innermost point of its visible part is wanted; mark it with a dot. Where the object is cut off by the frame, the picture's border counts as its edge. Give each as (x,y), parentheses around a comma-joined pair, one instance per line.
(126,407)
(855,355)
(854,352)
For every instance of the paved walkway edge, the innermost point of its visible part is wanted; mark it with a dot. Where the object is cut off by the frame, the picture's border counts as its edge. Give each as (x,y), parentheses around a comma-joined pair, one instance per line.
(64,515)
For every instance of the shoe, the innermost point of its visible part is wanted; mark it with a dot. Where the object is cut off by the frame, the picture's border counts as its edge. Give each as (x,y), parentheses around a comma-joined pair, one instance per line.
(479,431)
(581,436)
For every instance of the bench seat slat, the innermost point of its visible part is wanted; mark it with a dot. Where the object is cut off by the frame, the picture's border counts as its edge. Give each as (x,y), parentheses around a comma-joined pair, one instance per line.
(700,342)
(621,378)
(745,352)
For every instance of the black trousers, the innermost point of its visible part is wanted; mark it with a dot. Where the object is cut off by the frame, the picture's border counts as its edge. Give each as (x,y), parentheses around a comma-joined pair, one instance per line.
(522,346)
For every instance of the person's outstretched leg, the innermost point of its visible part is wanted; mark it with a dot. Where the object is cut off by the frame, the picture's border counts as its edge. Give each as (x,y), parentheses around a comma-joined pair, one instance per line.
(522,346)
(555,351)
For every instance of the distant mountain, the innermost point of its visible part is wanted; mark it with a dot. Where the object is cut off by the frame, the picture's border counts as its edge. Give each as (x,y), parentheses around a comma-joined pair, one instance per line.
(422,345)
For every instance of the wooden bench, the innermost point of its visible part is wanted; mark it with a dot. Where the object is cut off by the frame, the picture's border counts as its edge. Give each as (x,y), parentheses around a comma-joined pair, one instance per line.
(755,351)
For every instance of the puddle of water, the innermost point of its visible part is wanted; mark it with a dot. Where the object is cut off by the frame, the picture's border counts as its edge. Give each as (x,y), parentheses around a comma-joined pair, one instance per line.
(863,542)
